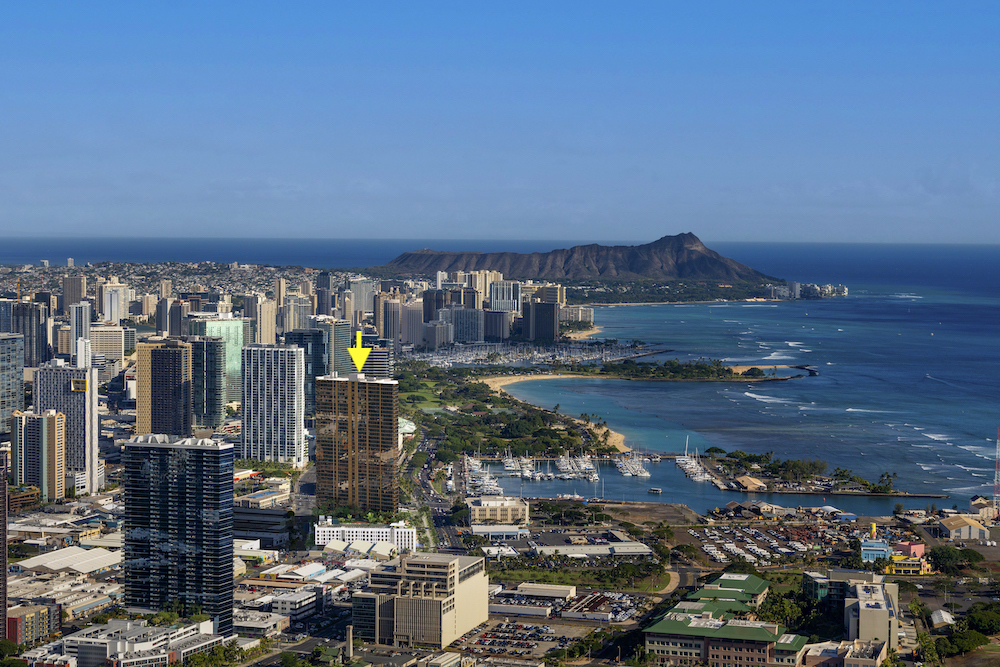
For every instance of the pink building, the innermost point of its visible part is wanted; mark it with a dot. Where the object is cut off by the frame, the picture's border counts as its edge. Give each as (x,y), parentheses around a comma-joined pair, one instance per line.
(911,549)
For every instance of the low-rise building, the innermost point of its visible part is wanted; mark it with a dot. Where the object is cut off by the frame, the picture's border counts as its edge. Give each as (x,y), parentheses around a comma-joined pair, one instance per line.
(298,604)
(963,527)
(753,587)
(404,537)
(73,559)
(75,594)
(26,624)
(903,565)
(123,643)
(982,508)
(498,510)
(872,550)
(263,500)
(258,623)
(707,633)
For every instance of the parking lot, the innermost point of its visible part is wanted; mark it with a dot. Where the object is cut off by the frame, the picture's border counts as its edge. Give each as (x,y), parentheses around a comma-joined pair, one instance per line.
(519,639)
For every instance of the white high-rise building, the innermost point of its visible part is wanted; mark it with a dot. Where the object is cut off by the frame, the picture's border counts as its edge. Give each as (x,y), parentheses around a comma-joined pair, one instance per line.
(79,327)
(506,295)
(73,392)
(274,404)
(115,303)
(82,353)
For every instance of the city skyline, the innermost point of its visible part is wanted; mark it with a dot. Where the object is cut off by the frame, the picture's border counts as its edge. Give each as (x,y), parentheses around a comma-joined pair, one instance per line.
(737,122)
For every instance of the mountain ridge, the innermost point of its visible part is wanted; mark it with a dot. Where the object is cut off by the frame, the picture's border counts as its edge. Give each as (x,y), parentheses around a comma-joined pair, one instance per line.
(682,256)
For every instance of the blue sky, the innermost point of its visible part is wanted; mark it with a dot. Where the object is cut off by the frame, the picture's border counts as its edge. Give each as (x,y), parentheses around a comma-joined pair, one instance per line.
(797,121)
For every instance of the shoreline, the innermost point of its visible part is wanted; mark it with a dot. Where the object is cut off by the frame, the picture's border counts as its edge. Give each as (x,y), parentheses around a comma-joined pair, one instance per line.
(497,384)
(583,335)
(677,303)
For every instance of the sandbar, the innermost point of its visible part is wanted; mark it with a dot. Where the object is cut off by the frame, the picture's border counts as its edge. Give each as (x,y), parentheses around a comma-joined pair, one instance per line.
(615,439)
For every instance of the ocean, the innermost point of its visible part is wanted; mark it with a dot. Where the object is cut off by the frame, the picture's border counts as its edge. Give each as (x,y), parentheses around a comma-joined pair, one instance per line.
(909,377)
(909,371)
(317,253)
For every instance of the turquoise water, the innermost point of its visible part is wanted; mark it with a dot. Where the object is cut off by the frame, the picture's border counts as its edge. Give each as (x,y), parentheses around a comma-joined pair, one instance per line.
(908,383)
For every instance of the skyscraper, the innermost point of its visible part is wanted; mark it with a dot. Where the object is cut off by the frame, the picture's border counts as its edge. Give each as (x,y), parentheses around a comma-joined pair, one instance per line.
(72,391)
(176,321)
(274,404)
(412,323)
(163,387)
(363,290)
(296,311)
(230,330)
(179,527)
(114,301)
(74,290)
(6,316)
(392,315)
(264,313)
(208,381)
(357,442)
(3,552)
(506,295)
(38,451)
(11,377)
(79,327)
(314,344)
(31,320)
(324,301)
(166,289)
(541,321)
(338,336)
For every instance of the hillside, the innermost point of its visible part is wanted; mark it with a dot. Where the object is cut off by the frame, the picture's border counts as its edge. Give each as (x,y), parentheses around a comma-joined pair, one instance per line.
(672,257)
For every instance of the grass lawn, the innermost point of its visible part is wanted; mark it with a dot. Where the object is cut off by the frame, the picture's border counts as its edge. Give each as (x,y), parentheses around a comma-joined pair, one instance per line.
(427,399)
(578,578)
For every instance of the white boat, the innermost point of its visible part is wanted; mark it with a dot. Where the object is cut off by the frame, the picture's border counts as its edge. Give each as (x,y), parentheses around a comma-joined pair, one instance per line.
(656,490)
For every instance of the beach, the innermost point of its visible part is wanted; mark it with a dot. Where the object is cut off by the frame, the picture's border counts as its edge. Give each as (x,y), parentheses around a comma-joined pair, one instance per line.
(581,335)
(615,439)
(743,369)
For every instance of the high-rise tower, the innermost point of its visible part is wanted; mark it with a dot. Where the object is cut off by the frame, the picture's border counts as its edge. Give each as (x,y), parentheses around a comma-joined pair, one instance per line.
(208,380)
(38,452)
(230,330)
(179,527)
(74,290)
(274,404)
(163,387)
(357,442)
(31,320)
(11,377)
(315,347)
(72,391)
(338,335)
(79,327)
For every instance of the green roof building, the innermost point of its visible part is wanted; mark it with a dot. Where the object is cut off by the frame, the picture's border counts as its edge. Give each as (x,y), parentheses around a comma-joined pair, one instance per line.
(752,586)
(706,632)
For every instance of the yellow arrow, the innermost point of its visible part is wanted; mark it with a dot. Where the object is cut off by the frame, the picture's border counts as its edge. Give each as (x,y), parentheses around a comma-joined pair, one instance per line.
(359,354)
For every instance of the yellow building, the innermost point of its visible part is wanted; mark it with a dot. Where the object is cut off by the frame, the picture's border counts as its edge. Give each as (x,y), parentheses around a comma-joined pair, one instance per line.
(901,565)
(498,510)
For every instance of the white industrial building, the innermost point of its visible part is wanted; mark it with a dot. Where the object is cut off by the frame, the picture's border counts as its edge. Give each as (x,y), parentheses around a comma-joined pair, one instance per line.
(126,644)
(398,534)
